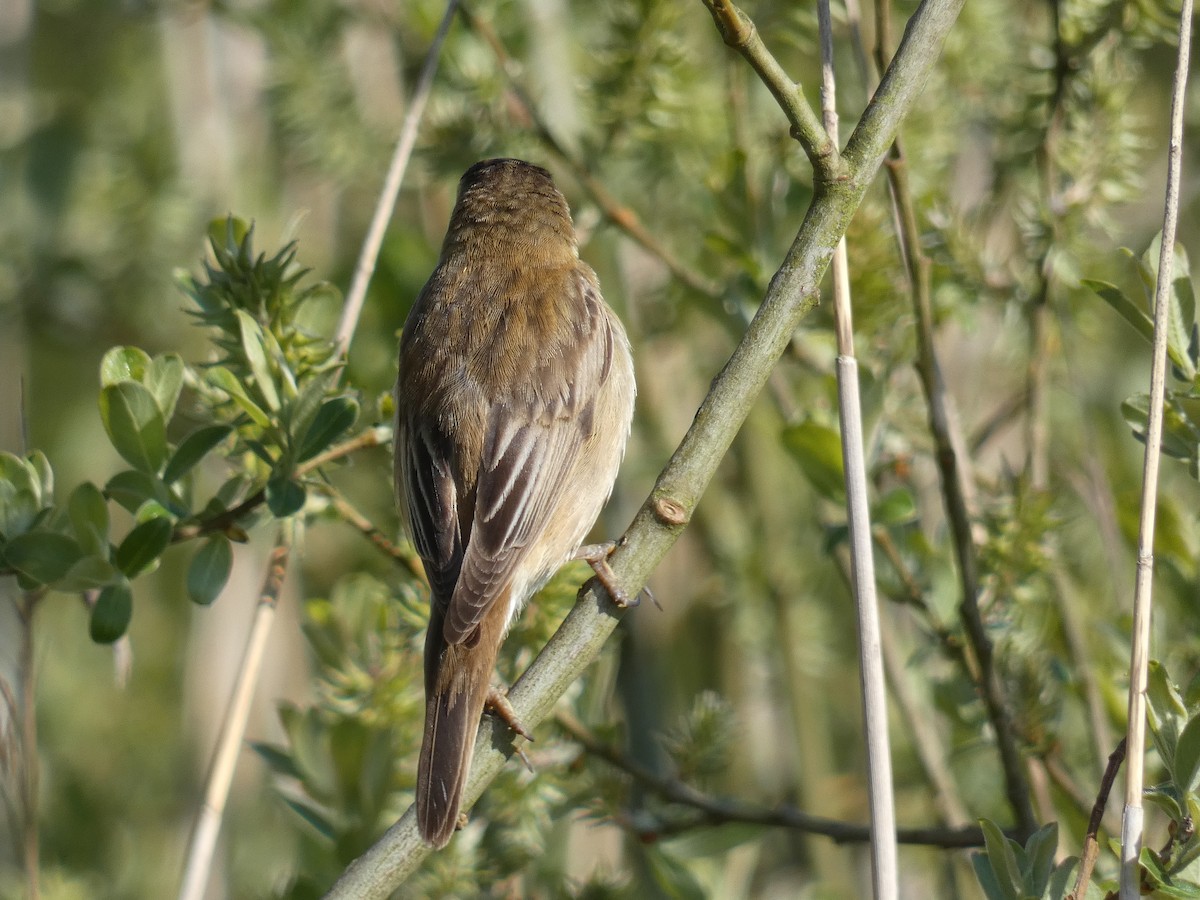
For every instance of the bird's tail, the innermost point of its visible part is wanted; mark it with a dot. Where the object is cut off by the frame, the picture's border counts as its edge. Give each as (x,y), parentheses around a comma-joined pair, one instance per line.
(456,689)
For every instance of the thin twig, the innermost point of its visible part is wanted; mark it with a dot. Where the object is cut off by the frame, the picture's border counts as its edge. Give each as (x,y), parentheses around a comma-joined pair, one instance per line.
(1091,846)
(739,33)
(723,811)
(1131,826)
(402,553)
(953,463)
(617,213)
(371,437)
(233,727)
(391,188)
(885,877)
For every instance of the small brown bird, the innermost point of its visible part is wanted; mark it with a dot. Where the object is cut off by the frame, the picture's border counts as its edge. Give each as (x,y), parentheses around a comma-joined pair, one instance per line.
(513,404)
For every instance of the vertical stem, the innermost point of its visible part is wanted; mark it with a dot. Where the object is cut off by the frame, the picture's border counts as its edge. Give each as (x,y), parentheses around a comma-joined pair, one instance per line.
(29,749)
(233,729)
(885,879)
(1131,825)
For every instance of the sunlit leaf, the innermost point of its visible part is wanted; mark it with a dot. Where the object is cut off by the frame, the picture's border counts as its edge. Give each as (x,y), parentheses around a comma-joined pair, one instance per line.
(164,380)
(222,378)
(123,364)
(134,425)
(252,346)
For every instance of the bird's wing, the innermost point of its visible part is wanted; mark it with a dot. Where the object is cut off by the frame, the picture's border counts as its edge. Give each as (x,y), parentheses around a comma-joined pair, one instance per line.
(531,445)
(432,499)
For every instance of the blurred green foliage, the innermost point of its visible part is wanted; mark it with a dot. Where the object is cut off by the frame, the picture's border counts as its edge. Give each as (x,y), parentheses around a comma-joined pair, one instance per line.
(1033,157)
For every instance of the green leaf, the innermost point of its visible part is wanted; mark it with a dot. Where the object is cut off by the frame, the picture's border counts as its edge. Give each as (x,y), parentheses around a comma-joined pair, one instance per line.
(252,346)
(134,425)
(301,411)
(1166,797)
(285,497)
(1186,768)
(1179,438)
(227,233)
(20,494)
(332,420)
(164,379)
(1162,882)
(44,475)
(133,489)
(221,378)
(278,760)
(89,518)
(1039,851)
(123,364)
(193,449)
(313,815)
(818,450)
(672,878)
(111,614)
(42,556)
(209,570)
(143,546)
(1181,303)
(89,573)
(1003,861)
(897,507)
(1129,311)
(1166,712)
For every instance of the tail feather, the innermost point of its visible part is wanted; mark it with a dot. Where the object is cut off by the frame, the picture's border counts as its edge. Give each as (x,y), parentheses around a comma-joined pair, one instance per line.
(453,706)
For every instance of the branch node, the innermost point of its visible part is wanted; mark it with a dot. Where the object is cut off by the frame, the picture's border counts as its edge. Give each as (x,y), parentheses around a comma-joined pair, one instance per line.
(670,512)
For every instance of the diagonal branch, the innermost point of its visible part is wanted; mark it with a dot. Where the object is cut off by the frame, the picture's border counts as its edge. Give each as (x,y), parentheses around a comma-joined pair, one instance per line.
(792,294)
(386,203)
(739,33)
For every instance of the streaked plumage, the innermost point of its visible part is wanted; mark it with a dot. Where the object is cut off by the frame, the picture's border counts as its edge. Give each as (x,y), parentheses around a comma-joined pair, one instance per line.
(514,400)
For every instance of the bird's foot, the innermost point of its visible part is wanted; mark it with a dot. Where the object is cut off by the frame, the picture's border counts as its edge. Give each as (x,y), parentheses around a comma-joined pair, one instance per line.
(596,556)
(497,702)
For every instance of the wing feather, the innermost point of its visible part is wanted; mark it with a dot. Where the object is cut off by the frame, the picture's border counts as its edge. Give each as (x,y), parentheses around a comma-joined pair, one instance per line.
(531,447)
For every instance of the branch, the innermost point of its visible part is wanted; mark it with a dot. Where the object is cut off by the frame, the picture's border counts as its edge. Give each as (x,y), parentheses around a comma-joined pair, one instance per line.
(739,33)
(792,294)
(386,203)
(402,553)
(723,811)
(1131,826)
(952,461)
(233,728)
(1091,847)
(371,437)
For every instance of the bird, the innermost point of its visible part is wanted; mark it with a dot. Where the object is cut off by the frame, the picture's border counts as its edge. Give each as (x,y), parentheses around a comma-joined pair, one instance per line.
(514,401)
